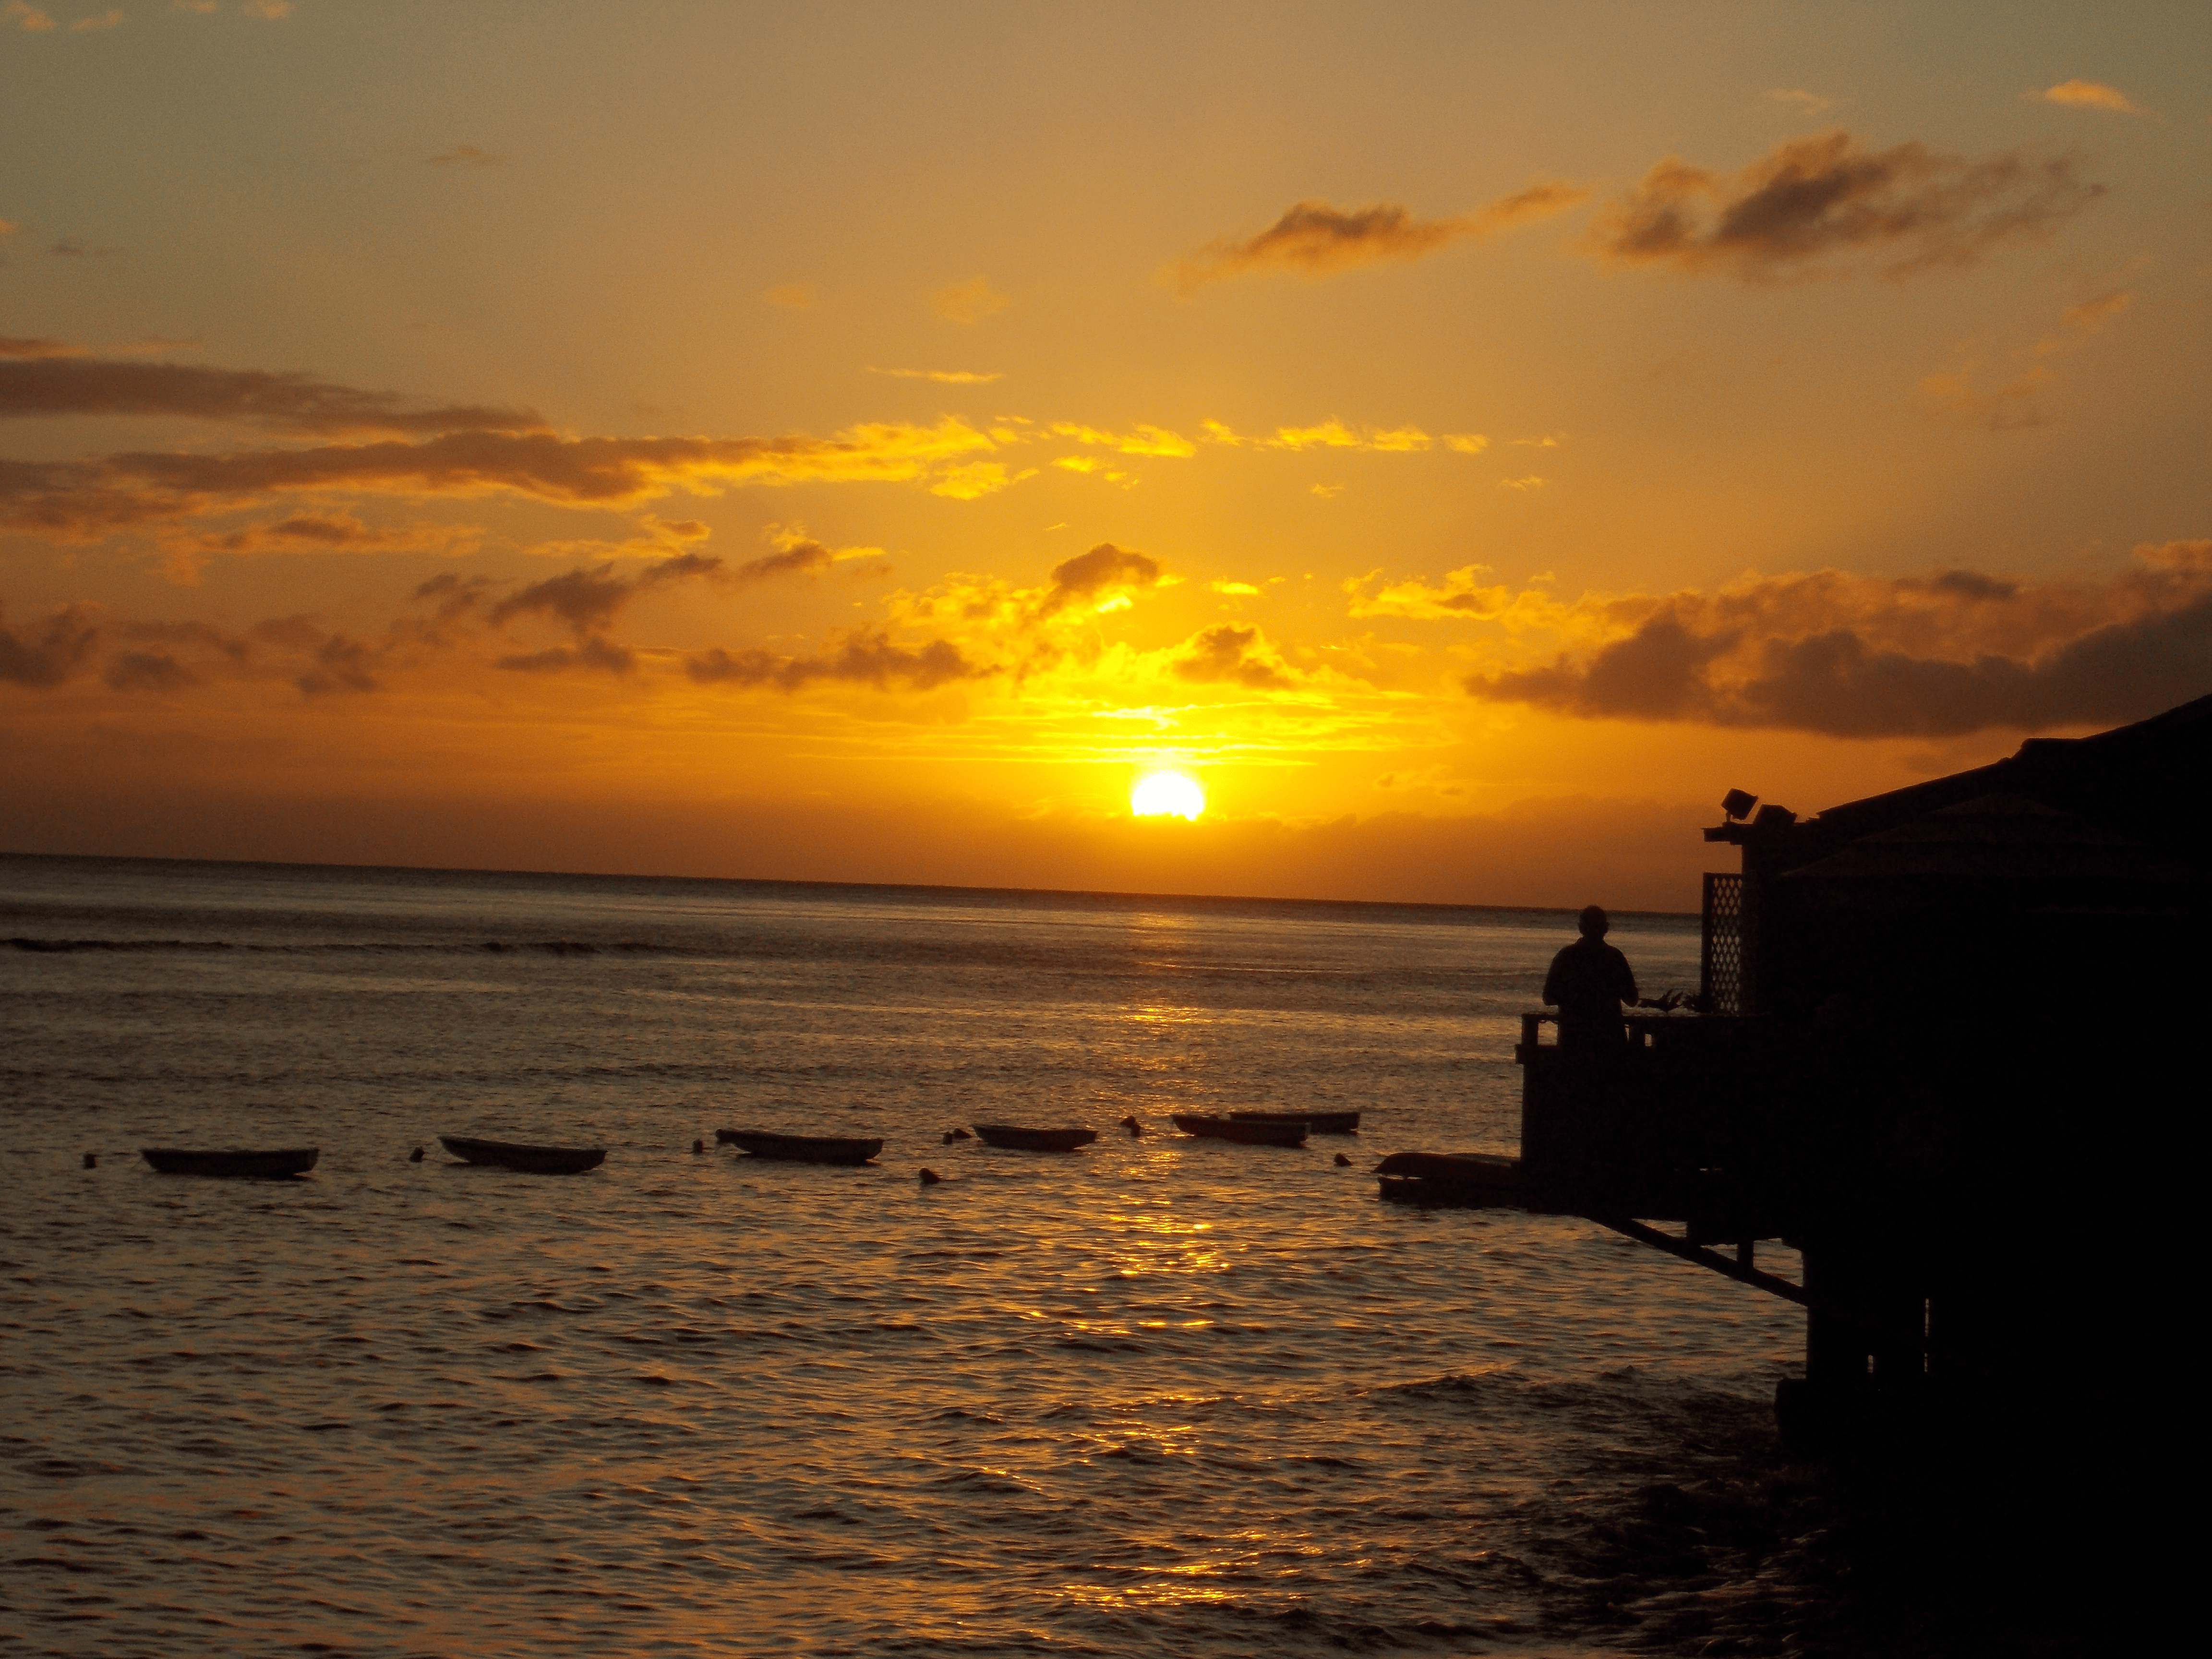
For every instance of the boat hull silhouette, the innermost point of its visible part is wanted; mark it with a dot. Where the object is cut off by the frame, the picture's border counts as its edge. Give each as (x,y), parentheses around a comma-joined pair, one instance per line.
(1018,1139)
(803,1149)
(275,1164)
(532,1160)
(1291,1132)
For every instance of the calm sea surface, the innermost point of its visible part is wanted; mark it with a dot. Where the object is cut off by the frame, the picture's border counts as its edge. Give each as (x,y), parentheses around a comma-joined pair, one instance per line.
(1159,1397)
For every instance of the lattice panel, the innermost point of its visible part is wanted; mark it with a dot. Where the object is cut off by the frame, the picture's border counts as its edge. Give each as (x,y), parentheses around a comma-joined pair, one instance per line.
(1726,965)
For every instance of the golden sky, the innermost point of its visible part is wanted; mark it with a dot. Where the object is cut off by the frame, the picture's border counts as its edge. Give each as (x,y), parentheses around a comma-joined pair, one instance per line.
(860,442)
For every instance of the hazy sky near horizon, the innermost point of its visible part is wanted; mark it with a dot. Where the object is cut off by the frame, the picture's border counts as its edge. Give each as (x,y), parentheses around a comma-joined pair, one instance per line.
(857,443)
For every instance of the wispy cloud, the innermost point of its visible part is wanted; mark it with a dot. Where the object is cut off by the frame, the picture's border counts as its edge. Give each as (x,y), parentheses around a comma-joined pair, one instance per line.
(942,376)
(26,16)
(1336,434)
(968,302)
(1140,439)
(975,480)
(22,349)
(863,656)
(799,554)
(70,248)
(45,655)
(46,378)
(589,598)
(1315,239)
(2015,403)
(2089,95)
(1806,103)
(77,499)
(1826,198)
(1465,594)
(105,20)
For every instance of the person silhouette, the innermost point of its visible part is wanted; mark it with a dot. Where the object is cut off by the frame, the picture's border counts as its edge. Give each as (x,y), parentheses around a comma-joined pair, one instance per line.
(1589,981)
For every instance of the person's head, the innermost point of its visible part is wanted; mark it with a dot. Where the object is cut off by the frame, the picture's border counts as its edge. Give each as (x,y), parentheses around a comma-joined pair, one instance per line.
(1593,922)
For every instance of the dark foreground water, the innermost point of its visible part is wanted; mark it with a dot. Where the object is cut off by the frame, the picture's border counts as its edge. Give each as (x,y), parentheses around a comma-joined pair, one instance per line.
(1159,1397)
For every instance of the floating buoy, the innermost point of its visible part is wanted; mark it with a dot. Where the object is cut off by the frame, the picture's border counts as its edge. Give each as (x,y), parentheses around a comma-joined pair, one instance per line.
(91,1161)
(697,1147)
(415,1156)
(1342,1161)
(1133,1124)
(930,1177)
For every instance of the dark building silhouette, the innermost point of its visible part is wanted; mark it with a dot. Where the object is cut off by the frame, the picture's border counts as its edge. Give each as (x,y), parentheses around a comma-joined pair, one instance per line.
(1953,1046)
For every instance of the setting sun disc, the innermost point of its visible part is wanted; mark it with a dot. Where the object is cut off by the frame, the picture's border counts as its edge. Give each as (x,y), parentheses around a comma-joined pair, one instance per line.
(1167,794)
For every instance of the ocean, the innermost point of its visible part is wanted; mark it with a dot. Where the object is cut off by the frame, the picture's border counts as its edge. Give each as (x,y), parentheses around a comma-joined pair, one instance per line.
(1159,1397)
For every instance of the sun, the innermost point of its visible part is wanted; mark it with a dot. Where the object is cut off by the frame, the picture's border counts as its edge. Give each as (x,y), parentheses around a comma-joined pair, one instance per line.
(1167,794)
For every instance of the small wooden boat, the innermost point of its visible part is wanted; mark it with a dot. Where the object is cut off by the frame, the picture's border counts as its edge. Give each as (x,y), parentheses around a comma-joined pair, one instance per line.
(1464,1181)
(264,1165)
(803,1149)
(1288,1132)
(1034,1140)
(533,1160)
(1317,1123)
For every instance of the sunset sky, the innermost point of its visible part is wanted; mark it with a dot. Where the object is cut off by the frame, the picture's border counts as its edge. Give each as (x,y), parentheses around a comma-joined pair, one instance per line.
(862,442)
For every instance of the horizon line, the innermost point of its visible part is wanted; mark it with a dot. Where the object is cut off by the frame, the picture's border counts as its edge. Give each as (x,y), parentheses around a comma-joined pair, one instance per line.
(876,886)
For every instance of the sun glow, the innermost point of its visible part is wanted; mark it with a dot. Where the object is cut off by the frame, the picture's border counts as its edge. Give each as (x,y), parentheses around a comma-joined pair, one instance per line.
(1167,794)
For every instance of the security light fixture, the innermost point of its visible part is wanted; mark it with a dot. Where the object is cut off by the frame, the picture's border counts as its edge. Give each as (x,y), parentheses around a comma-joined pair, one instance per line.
(1738,802)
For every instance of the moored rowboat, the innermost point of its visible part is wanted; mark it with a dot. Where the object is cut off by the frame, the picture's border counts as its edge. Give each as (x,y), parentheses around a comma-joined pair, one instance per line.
(534,1160)
(1317,1123)
(1034,1140)
(803,1149)
(1287,1133)
(268,1164)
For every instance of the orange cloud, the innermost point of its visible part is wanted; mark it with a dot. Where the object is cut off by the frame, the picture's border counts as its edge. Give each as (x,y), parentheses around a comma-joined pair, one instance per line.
(968,302)
(1813,198)
(2089,95)
(942,376)
(1140,439)
(1335,435)
(1862,657)
(1316,240)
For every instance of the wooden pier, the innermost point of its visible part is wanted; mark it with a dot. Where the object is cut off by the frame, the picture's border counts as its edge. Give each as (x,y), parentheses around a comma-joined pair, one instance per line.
(1949,1047)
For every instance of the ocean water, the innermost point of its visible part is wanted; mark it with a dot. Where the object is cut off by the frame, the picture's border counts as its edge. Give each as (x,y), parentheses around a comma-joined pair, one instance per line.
(1159,1397)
